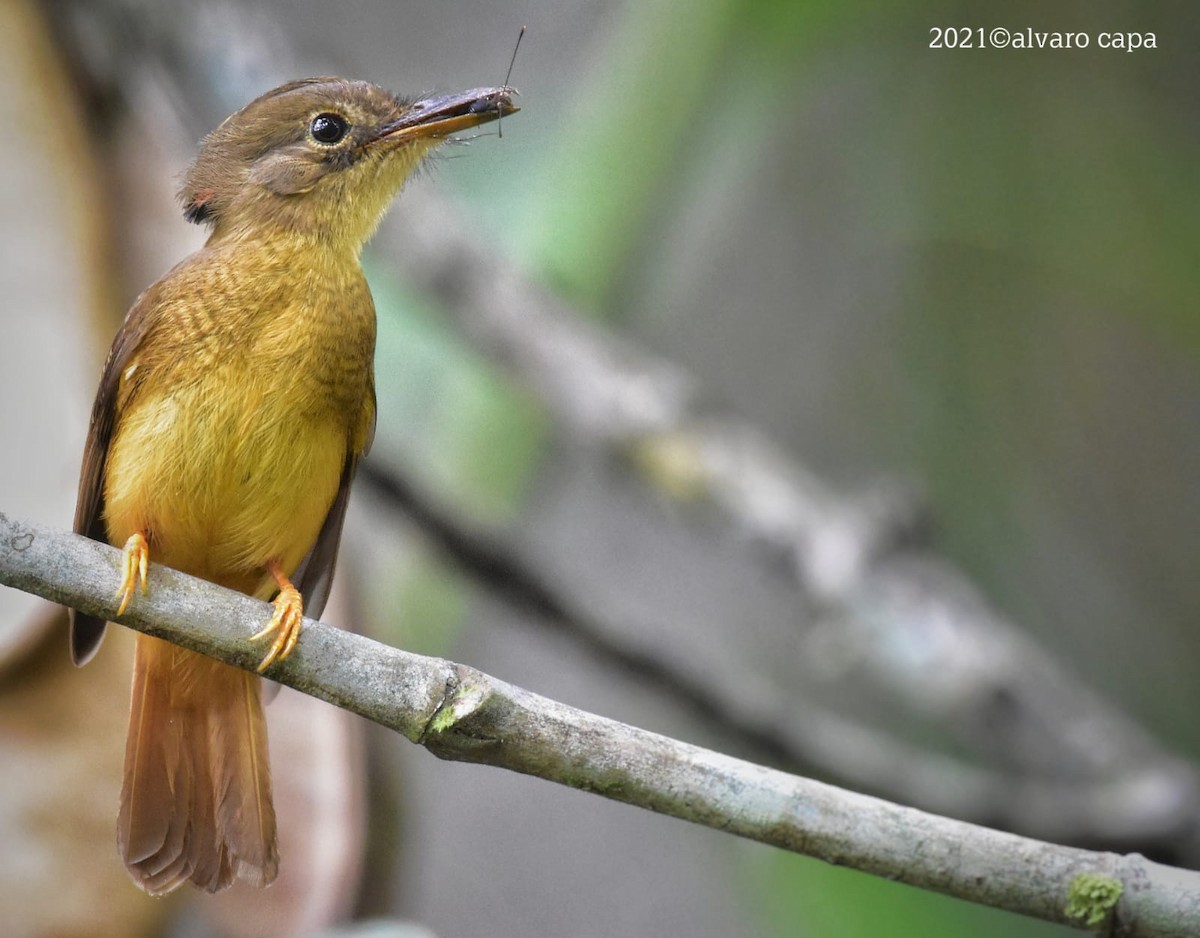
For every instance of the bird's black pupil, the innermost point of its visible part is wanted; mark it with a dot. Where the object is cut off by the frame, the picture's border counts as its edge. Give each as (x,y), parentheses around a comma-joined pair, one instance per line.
(328,128)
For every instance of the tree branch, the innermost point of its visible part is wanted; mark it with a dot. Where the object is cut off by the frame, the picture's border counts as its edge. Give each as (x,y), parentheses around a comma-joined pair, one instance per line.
(462,714)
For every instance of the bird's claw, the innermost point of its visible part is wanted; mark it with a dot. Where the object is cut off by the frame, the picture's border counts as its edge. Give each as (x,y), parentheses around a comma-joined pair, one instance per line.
(284,625)
(135,562)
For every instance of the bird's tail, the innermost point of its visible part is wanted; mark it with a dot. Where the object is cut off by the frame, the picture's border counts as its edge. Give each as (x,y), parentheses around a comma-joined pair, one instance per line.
(196,799)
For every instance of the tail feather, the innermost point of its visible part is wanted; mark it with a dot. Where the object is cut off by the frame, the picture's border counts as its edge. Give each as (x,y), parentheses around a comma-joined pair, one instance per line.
(238,792)
(196,800)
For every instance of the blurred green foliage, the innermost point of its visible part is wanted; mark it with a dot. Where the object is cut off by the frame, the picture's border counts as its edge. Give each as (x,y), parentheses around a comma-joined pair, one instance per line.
(799,896)
(465,429)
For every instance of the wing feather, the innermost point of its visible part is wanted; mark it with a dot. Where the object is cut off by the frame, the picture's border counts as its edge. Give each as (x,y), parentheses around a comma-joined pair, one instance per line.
(87,631)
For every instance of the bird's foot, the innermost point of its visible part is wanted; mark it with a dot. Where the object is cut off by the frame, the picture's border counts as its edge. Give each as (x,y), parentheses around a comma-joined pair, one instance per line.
(134,564)
(285,623)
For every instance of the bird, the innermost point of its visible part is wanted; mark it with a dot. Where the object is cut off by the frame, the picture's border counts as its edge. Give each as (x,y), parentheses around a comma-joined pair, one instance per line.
(233,409)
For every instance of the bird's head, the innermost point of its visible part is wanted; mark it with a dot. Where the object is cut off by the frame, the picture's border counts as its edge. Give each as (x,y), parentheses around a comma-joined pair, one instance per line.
(322,157)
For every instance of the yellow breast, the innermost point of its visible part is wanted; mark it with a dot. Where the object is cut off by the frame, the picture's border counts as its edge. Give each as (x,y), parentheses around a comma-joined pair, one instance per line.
(235,420)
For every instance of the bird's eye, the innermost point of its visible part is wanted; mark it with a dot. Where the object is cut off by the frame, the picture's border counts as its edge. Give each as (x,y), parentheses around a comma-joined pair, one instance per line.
(328,128)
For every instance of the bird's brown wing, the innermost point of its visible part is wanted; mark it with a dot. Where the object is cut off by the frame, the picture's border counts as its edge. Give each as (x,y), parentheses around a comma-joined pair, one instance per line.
(315,576)
(87,631)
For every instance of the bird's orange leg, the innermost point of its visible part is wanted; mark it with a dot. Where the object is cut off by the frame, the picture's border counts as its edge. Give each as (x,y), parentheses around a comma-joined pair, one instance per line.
(285,623)
(134,564)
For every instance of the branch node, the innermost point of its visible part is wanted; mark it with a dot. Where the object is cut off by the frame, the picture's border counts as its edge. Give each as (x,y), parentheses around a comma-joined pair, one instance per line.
(461,698)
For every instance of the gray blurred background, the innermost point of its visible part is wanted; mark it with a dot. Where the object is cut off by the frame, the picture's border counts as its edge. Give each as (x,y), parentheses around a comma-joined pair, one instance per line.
(958,283)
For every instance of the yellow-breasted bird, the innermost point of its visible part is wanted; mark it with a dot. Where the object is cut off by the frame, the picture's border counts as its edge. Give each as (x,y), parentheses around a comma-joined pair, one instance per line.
(234,406)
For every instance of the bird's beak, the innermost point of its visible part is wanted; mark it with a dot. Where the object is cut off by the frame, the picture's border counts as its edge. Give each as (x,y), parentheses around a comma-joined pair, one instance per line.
(440,117)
